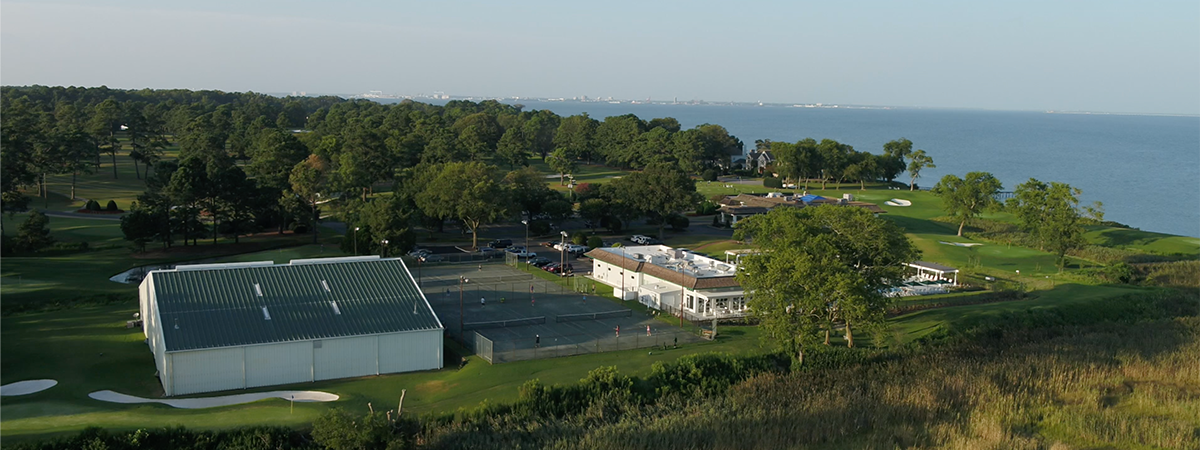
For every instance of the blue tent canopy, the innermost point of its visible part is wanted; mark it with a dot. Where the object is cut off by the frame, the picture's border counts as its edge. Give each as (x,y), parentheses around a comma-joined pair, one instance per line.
(810,197)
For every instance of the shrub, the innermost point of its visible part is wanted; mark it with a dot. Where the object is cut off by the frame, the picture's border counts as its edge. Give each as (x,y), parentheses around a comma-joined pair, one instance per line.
(92,205)
(773,182)
(300,228)
(678,222)
(34,233)
(111,206)
(595,242)
(706,207)
(579,238)
(709,175)
(584,191)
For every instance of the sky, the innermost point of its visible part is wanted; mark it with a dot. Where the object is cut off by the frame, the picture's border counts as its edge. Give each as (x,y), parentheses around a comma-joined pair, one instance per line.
(1101,56)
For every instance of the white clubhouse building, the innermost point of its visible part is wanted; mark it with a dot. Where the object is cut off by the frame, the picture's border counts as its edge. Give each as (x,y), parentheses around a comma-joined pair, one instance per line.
(660,277)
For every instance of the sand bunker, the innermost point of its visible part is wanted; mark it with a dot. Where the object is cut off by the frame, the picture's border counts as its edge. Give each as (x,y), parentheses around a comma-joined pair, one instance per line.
(212,402)
(961,244)
(898,202)
(26,387)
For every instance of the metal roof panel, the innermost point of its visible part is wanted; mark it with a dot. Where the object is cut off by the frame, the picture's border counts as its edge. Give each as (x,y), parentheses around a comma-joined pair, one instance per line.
(219,307)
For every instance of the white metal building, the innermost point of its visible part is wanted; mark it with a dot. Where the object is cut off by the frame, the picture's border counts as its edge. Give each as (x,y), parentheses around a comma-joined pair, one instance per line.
(215,327)
(659,277)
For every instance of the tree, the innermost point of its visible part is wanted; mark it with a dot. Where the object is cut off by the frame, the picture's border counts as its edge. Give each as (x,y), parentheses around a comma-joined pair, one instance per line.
(576,137)
(615,136)
(541,129)
(1051,214)
(387,219)
(918,161)
(106,120)
(528,190)
(819,266)
(308,180)
(146,135)
(667,123)
(34,233)
(187,191)
(141,226)
(966,198)
(471,191)
(892,163)
(834,159)
(563,162)
(662,190)
(512,148)
(594,211)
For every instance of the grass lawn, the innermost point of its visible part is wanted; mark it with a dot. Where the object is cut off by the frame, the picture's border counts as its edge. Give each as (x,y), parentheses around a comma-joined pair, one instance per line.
(89,349)
(1128,238)
(912,326)
(100,184)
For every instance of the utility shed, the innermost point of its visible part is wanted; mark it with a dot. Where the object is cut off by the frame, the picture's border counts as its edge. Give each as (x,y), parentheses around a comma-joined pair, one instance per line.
(214,327)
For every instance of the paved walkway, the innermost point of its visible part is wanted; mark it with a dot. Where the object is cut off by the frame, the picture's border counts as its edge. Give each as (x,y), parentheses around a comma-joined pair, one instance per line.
(75,215)
(26,387)
(213,402)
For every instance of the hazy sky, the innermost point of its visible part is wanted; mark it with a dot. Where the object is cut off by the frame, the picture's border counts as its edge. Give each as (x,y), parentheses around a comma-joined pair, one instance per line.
(1130,56)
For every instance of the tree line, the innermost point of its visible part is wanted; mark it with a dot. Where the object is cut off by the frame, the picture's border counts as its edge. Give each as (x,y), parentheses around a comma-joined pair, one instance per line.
(830,160)
(250,162)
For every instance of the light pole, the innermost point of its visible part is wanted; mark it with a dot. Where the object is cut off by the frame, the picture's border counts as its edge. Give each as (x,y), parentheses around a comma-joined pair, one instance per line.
(355,241)
(681,293)
(562,251)
(384,250)
(461,280)
(526,223)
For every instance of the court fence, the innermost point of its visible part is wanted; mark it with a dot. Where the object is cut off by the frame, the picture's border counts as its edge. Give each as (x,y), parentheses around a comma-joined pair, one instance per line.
(503,351)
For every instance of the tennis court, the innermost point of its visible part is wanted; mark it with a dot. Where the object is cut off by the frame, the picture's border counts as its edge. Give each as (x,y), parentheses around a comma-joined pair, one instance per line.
(511,315)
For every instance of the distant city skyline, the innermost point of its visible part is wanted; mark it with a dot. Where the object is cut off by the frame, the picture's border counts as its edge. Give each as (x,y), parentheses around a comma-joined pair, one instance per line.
(1104,56)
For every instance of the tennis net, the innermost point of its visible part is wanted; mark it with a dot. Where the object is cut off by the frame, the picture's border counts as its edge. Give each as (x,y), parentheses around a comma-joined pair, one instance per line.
(594,316)
(505,323)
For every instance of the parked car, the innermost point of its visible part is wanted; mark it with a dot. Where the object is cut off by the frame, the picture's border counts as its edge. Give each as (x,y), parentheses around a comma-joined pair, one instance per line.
(489,252)
(432,258)
(558,268)
(515,249)
(525,254)
(539,261)
(550,267)
(577,249)
(638,239)
(500,243)
(419,253)
(651,241)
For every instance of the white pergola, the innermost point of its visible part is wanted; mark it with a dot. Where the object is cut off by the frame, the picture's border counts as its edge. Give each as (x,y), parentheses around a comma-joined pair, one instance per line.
(933,271)
(737,255)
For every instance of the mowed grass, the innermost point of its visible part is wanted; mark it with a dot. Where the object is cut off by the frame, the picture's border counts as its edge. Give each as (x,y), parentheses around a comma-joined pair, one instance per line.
(89,349)
(100,185)
(908,327)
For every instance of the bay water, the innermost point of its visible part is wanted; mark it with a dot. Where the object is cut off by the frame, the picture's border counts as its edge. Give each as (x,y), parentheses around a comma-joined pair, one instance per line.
(1145,169)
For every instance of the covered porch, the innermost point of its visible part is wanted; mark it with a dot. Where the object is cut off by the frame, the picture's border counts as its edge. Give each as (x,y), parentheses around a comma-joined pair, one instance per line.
(934,272)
